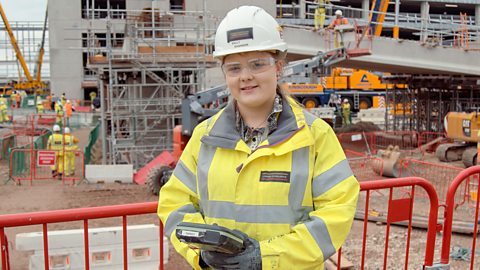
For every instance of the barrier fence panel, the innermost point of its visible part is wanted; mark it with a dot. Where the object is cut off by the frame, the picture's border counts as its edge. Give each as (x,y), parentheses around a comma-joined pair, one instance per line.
(388,210)
(53,256)
(469,176)
(6,142)
(92,139)
(37,164)
(360,142)
(364,167)
(429,141)
(407,141)
(439,175)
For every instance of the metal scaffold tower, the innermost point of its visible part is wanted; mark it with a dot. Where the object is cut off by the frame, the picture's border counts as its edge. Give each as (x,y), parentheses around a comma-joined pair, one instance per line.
(162,59)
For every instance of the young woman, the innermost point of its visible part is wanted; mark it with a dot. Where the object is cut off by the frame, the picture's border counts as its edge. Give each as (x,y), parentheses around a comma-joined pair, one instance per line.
(263,166)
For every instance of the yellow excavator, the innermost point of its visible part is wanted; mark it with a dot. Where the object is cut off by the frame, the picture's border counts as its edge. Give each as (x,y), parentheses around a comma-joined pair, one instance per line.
(463,128)
(30,84)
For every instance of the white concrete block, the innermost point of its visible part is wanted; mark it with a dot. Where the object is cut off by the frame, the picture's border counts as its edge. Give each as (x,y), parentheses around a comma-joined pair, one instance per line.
(109,173)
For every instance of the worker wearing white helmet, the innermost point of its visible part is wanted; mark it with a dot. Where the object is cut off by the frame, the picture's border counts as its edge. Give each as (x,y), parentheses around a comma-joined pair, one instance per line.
(55,143)
(263,166)
(71,145)
(40,108)
(59,112)
(346,114)
(338,20)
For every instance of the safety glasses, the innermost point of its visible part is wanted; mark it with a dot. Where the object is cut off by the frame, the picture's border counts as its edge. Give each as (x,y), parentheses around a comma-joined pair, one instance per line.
(254,66)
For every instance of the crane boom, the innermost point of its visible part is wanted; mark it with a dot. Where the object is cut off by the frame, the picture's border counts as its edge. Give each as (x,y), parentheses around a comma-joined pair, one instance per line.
(18,53)
(41,52)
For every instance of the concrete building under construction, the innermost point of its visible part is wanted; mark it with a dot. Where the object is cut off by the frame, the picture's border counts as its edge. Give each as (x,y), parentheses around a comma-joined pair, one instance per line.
(144,57)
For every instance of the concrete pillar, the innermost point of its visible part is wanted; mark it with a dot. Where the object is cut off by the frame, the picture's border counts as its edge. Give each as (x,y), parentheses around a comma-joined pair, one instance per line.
(302,9)
(365,9)
(424,11)
(477,15)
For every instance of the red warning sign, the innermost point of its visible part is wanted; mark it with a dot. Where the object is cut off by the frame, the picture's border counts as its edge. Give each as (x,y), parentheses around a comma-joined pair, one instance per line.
(45,158)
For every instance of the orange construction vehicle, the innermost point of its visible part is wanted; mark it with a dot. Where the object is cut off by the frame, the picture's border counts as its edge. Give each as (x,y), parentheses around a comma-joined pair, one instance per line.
(463,128)
(362,88)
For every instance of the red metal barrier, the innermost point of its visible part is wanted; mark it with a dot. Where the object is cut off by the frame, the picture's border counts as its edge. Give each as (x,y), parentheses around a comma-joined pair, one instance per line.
(80,214)
(29,165)
(400,210)
(471,174)
(360,142)
(364,167)
(437,174)
(407,141)
(427,137)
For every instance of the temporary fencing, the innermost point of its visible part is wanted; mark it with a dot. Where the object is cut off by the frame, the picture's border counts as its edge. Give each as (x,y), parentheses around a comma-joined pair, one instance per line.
(438,174)
(464,178)
(92,139)
(365,167)
(407,141)
(28,164)
(85,215)
(7,141)
(429,141)
(360,142)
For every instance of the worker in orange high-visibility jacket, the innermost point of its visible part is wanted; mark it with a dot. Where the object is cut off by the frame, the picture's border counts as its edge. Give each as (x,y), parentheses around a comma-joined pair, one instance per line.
(56,143)
(339,20)
(71,143)
(68,111)
(263,165)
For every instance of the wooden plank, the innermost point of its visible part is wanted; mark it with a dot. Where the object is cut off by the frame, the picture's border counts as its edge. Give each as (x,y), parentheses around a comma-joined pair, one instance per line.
(344,263)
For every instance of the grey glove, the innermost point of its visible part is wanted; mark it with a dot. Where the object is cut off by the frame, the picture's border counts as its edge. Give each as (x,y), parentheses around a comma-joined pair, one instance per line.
(248,259)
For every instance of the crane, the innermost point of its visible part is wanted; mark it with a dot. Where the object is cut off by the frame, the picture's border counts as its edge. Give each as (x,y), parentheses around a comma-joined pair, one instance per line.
(31,84)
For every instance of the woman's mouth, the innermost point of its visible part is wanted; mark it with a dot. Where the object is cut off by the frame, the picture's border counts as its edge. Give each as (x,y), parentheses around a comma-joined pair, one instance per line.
(248,87)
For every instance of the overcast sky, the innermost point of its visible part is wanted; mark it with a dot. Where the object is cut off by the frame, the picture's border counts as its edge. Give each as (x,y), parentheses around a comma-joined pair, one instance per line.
(24,10)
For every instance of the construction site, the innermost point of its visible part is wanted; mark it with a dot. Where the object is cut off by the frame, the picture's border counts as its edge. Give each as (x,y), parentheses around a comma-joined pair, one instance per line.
(139,76)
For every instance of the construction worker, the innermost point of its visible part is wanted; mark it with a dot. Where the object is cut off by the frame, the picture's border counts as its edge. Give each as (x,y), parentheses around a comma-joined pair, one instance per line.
(71,143)
(346,113)
(93,95)
(13,98)
(319,17)
(63,99)
(40,108)
(52,104)
(2,98)
(48,103)
(3,112)
(263,166)
(59,112)
(68,111)
(339,20)
(55,142)
(18,99)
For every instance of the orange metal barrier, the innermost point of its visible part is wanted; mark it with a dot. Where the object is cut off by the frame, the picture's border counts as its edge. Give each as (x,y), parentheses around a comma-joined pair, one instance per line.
(466,177)
(360,142)
(400,210)
(437,174)
(35,164)
(364,167)
(80,214)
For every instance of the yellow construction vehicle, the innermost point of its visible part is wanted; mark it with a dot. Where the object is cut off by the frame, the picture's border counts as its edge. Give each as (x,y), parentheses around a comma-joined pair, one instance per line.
(463,128)
(30,84)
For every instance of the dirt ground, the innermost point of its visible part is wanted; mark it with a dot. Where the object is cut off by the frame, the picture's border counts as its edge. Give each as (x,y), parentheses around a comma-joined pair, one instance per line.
(52,195)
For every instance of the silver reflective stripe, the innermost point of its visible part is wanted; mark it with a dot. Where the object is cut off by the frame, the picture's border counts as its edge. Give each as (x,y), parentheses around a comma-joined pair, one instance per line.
(205,158)
(309,117)
(275,214)
(330,178)
(176,217)
(298,182)
(318,230)
(185,176)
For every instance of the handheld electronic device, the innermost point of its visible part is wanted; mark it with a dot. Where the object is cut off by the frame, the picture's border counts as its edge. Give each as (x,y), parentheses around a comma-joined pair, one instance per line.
(210,237)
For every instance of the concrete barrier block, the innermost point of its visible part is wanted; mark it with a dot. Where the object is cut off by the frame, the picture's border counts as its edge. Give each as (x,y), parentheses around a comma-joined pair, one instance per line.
(109,173)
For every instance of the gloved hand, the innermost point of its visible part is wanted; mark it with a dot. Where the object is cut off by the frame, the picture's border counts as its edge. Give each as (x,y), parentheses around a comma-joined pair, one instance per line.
(249,259)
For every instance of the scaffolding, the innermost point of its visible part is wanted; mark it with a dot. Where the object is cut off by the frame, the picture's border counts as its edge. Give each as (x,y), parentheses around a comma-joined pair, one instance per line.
(142,79)
(428,99)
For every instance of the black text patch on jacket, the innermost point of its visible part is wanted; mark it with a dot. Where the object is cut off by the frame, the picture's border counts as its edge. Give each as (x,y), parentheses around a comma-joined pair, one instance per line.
(275,176)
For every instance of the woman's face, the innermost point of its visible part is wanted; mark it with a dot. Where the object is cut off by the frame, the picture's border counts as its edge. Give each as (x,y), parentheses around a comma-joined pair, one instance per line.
(252,78)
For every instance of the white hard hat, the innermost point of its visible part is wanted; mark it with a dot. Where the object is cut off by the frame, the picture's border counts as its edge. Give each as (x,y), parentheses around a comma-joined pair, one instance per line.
(338,12)
(68,100)
(345,100)
(39,102)
(67,130)
(245,29)
(56,128)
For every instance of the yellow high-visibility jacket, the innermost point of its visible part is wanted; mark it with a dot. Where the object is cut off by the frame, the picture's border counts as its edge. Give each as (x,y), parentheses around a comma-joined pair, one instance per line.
(295,194)
(55,142)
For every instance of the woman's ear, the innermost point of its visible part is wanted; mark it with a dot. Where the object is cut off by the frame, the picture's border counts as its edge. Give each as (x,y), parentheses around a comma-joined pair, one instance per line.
(279,67)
